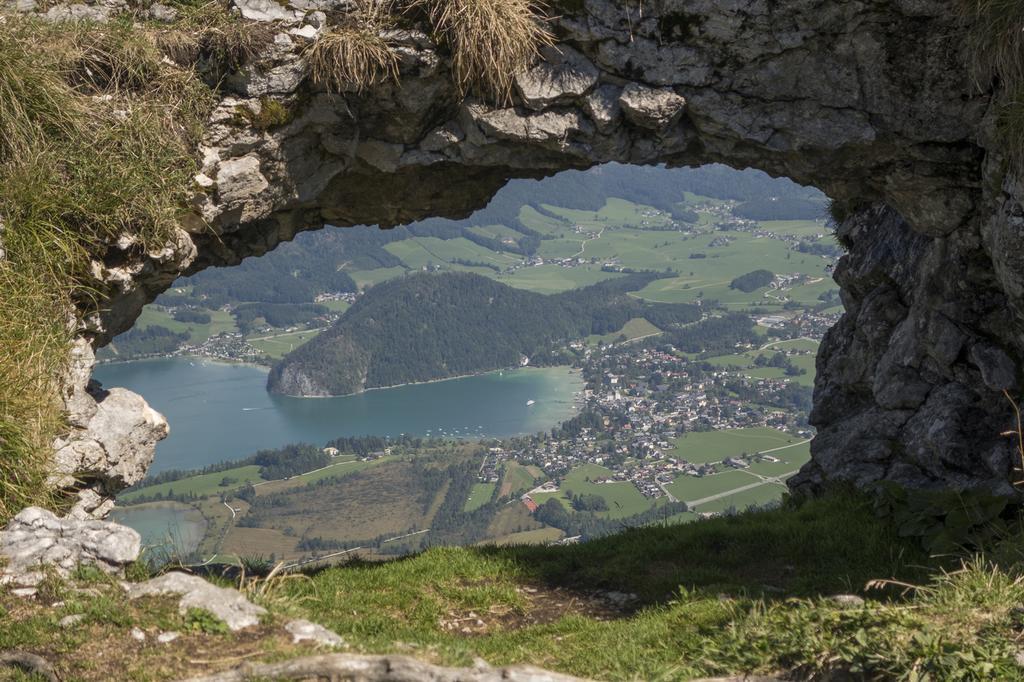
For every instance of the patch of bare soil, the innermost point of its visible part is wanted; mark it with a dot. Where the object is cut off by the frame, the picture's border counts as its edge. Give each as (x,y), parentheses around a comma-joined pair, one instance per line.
(542,605)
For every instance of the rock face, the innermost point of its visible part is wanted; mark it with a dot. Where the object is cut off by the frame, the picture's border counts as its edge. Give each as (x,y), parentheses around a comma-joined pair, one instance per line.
(871,102)
(36,540)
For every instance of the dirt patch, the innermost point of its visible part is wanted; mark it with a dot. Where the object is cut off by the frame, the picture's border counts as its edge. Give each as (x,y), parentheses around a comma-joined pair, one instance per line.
(541,605)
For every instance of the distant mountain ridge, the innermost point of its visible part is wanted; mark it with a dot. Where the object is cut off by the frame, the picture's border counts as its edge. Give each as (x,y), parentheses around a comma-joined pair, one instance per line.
(426,327)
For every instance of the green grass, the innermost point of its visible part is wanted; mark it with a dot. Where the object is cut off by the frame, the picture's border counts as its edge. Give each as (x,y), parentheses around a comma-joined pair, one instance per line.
(516,478)
(220,321)
(479,495)
(622,497)
(636,328)
(714,446)
(367,278)
(201,485)
(278,345)
(744,594)
(688,488)
(417,252)
(740,501)
(739,595)
(96,140)
(553,279)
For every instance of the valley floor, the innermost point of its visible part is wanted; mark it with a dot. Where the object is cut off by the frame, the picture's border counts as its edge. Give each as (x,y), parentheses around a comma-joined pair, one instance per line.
(821,586)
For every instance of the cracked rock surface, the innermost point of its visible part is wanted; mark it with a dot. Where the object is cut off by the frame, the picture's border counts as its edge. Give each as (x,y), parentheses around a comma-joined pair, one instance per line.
(36,540)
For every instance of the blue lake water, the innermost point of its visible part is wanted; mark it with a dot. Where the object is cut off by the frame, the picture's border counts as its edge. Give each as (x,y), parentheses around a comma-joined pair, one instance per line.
(219,411)
(170,528)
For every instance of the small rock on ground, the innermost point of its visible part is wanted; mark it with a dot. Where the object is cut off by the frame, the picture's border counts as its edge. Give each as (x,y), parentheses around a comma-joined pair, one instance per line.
(71,621)
(167,637)
(302,630)
(229,605)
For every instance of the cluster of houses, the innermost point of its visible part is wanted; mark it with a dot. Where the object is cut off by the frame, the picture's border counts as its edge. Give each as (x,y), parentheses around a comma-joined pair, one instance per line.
(641,420)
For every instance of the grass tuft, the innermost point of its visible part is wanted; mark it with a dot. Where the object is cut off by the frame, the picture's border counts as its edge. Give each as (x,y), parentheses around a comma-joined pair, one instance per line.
(96,140)
(491,41)
(355,54)
(995,52)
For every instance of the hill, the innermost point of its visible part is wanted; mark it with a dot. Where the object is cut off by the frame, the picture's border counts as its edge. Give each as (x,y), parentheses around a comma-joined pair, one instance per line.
(426,327)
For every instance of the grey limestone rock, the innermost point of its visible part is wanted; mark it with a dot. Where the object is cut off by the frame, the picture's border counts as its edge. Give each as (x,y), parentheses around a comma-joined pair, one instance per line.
(303,630)
(654,108)
(229,605)
(562,76)
(36,541)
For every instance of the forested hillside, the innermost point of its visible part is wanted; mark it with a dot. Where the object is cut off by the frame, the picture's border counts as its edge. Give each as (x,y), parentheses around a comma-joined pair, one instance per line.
(425,327)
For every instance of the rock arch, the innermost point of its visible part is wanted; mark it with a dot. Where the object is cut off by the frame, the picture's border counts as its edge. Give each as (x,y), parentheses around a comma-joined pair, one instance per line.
(871,102)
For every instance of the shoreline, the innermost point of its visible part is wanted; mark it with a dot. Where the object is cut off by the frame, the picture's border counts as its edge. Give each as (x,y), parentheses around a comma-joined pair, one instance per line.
(186,356)
(572,370)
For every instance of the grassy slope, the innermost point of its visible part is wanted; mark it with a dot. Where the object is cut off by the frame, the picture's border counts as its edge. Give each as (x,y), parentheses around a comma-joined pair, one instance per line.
(748,593)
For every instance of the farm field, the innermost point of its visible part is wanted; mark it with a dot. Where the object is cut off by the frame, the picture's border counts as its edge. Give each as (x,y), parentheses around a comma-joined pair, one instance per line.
(714,446)
(201,485)
(516,478)
(367,278)
(622,497)
(769,492)
(554,279)
(220,321)
(636,328)
(513,518)
(689,488)
(380,501)
(479,495)
(538,536)
(278,345)
(418,252)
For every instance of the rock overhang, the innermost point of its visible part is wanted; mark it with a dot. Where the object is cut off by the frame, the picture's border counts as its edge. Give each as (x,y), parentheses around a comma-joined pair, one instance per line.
(873,103)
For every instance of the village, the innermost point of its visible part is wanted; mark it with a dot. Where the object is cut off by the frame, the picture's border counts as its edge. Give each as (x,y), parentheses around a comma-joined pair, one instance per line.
(638,400)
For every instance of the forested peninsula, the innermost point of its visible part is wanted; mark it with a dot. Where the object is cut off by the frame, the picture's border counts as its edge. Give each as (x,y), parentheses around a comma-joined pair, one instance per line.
(428,327)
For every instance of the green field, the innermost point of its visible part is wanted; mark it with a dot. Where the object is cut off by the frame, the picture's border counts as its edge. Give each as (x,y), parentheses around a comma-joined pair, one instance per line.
(745,361)
(688,488)
(770,492)
(220,321)
(553,279)
(516,478)
(714,446)
(479,495)
(278,345)
(622,497)
(418,252)
(367,278)
(200,486)
(636,328)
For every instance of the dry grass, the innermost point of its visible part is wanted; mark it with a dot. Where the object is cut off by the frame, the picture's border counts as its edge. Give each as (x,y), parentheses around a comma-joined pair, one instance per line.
(491,41)
(96,139)
(995,52)
(208,30)
(351,57)
(354,54)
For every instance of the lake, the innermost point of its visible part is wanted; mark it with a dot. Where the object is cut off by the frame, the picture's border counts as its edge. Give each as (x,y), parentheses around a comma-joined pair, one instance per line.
(220,411)
(168,528)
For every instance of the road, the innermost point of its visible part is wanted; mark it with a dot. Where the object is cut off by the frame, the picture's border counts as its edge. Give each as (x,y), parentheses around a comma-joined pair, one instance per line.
(274,336)
(727,493)
(583,244)
(801,338)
